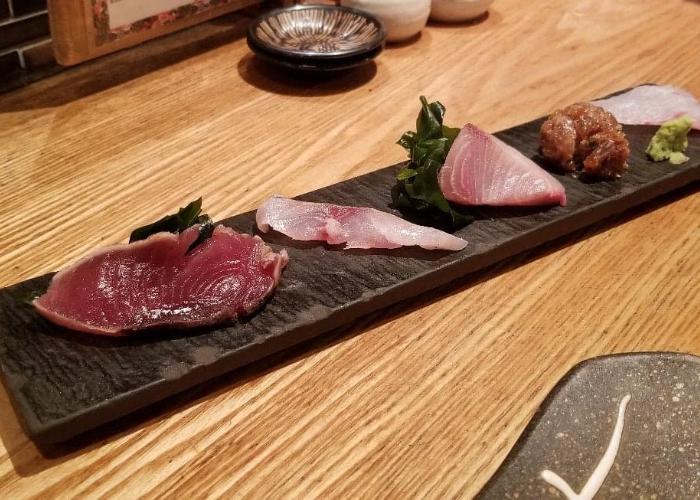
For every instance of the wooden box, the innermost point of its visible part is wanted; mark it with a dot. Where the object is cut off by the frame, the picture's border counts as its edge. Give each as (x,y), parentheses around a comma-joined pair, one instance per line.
(83,29)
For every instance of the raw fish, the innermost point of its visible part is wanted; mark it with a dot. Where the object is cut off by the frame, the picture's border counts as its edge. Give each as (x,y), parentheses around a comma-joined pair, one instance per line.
(156,283)
(357,227)
(480,169)
(652,105)
(585,137)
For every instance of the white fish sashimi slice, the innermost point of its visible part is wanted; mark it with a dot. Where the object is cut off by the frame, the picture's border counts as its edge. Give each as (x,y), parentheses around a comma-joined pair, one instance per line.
(652,105)
(480,169)
(357,227)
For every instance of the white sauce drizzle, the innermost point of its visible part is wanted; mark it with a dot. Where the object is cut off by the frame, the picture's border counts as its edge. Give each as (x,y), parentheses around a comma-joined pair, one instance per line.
(601,471)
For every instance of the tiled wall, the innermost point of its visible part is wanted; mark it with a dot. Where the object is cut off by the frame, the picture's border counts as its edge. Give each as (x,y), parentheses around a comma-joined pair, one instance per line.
(25,43)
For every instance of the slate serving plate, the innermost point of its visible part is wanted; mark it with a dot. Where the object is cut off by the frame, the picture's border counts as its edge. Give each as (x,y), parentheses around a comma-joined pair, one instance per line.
(659,451)
(63,383)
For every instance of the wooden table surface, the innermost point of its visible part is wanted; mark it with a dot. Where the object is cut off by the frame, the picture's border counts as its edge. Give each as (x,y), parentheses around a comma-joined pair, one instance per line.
(424,399)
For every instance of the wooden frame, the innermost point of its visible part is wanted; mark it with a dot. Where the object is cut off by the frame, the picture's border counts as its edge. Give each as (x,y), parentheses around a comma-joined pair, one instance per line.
(83,29)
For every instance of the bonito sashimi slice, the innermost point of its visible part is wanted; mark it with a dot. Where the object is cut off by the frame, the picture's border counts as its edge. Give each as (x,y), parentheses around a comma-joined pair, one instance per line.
(652,105)
(357,227)
(480,169)
(157,283)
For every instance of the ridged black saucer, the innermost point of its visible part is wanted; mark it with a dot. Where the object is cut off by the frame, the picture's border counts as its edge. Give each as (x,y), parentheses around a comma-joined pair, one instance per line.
(316,37)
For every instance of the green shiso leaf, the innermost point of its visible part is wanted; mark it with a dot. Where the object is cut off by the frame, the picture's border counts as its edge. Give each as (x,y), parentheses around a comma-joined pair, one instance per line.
(187,216)
(417,192)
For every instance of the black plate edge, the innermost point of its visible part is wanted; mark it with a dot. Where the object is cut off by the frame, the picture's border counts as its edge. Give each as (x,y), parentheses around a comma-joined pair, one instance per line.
(320,66)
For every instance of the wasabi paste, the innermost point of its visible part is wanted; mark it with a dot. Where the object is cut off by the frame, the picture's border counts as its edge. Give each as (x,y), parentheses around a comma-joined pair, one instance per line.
(670,141)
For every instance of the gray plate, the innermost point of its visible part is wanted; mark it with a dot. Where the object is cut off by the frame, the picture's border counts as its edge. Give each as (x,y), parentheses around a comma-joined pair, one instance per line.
(659,454)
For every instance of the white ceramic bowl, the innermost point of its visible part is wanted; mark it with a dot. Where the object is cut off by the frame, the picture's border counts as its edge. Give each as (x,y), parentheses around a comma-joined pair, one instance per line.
(452,11)
(401,18)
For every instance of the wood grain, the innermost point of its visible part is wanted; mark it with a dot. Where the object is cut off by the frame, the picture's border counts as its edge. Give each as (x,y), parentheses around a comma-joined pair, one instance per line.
(428,400)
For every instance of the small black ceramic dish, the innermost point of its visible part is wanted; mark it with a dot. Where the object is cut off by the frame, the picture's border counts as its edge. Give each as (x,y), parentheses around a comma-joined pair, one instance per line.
(316,37)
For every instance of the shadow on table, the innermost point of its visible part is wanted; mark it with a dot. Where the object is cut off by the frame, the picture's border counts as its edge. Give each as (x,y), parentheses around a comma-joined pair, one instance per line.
(29,460)
(267,77)
(91,77)
(494,17)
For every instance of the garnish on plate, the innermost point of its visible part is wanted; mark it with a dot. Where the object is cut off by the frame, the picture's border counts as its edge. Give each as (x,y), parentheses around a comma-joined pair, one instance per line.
(417,191)
(186,217)
(670,141)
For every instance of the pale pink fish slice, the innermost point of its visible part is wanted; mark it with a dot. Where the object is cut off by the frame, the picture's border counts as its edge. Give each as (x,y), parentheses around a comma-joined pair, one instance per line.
(158,283)
(357,227)
(652,105)
(480,169)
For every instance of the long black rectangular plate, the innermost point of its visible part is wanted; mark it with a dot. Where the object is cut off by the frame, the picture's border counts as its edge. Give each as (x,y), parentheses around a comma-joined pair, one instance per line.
(63,383)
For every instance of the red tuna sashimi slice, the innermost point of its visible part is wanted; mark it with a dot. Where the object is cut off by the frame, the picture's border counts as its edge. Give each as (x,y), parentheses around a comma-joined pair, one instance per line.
(480,169)
(357,227)
(652,105)
(156,283)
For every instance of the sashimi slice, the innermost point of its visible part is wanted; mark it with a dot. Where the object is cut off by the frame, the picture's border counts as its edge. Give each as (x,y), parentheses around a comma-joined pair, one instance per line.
(357,227)
(652,105)
(157,283)
(480,169)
